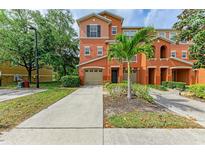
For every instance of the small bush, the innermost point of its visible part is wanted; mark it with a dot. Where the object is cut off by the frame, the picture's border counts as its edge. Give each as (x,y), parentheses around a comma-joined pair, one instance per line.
(172,85)
(117,88)
(198,90)
(142,91)
(165,83)
(70,81)
(158,87)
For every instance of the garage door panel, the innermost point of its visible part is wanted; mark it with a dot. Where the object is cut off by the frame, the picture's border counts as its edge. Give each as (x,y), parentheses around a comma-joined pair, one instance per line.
(93,76)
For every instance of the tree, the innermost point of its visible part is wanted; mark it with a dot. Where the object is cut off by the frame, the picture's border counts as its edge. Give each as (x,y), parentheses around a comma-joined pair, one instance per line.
(125,48)
(16,39)
(191,27)
(60,42)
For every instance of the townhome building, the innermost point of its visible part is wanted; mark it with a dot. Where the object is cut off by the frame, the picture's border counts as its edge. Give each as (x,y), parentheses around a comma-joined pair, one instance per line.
(170,62)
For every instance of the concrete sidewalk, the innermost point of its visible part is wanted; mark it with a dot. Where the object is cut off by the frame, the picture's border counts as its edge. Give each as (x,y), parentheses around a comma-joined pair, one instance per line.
(7,94)
(146,136)
(181,105)
(75,119)
(78,119)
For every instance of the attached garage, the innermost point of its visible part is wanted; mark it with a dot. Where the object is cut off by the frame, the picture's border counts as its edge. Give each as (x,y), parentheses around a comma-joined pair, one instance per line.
(93,76)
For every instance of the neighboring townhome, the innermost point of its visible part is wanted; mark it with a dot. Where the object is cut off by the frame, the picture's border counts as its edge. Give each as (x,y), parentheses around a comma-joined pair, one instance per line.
(170,63)
(10,74)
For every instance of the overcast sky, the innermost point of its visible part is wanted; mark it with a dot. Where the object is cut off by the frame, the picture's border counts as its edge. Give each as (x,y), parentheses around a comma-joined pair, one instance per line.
(156,18)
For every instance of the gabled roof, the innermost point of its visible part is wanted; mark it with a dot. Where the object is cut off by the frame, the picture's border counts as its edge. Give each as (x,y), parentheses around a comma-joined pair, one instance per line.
(111,14)
(92,60)
(167,40)
(93,15)
(181,60)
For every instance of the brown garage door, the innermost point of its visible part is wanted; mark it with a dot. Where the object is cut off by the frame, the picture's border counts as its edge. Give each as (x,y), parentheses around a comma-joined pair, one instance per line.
(93,76)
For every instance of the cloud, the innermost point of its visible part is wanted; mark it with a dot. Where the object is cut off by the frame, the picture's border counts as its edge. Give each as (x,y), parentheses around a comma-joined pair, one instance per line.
(161,18)
(138,17)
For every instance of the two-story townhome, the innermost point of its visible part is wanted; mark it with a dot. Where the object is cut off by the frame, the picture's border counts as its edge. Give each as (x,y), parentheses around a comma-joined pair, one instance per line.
(170,63)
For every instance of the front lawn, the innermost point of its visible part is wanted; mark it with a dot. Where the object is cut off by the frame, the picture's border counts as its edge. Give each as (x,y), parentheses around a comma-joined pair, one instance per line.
(13,112)
(139,119)
(139,112)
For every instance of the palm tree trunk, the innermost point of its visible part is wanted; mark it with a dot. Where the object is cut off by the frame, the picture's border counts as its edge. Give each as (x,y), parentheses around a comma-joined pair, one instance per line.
(128,81)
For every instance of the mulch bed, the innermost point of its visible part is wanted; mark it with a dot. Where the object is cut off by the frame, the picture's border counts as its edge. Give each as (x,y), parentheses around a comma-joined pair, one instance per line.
(120,104)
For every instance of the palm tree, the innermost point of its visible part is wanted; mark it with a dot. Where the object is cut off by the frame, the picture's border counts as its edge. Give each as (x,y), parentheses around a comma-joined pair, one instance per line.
(126,48)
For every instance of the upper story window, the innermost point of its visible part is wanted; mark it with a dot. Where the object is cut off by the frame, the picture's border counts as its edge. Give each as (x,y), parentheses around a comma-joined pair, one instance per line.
(86,50)
(130,33)
(93,30)
(162,34)
(173,54)
(183,41)
(99,50)
(184,54)
(172,36)
(134,59)
(114,30)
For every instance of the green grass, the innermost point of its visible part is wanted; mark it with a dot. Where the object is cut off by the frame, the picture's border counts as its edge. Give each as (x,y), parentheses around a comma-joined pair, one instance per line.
(140,119)
(13,112)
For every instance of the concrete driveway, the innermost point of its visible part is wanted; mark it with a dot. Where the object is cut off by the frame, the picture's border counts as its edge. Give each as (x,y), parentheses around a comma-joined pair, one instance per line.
(78,119)
(75,119)
(181,105)
(7,94)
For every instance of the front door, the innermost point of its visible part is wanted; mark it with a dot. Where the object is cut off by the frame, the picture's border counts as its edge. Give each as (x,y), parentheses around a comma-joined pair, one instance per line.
(114,75)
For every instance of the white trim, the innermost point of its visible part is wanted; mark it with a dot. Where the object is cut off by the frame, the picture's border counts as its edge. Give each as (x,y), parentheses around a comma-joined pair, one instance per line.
(92,60)
(161,59)
(153,59)
(181,67)
(181,60)
(94,37)
(112,31)
(115,66)
(151,66)
(184,51)
(164,67)
(98,47)
(90,67)
(93,15)
(173,51)
(85,52)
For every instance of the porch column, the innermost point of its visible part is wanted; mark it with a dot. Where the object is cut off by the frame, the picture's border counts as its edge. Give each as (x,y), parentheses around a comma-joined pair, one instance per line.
(170,74)
(190,76)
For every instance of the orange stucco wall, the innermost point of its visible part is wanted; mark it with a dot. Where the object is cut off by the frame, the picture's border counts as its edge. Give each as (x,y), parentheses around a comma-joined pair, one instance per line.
(142,64)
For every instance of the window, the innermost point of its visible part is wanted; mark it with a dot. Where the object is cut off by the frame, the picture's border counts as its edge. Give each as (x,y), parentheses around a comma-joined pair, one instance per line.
(172,36)
(134,59)
(162,34)
(93,30)
(114,30)
(99,51)
(130,33)
(86,51)
(173,54)
(183,41)
(184,54)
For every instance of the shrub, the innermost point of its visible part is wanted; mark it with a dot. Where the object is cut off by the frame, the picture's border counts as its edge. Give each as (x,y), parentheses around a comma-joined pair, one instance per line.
(117,88)
(198,90)
(172,85)
(158,87)
(142,91)
(70,81)
(180,85)
(165,83)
